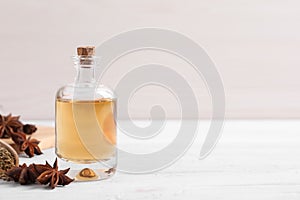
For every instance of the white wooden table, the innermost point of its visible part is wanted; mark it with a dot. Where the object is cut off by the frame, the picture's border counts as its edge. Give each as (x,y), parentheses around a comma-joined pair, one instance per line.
(253,160)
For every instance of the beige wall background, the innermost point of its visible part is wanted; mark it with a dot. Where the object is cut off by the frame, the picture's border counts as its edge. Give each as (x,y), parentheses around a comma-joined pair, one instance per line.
(254,44)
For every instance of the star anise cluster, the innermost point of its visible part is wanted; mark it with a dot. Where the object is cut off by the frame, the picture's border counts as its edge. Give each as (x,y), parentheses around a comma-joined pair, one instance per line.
(39,173)
(12,127)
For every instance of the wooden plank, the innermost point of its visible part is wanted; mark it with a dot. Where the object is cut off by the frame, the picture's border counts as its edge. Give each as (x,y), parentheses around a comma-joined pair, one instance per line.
(253,160)
(45,134)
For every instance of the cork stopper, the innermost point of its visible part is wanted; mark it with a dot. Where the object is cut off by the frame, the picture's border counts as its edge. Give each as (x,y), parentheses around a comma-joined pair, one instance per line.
(86,51)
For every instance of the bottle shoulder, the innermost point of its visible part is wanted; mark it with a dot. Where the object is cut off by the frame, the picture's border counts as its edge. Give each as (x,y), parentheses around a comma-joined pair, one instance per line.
(105,91)
(85,92)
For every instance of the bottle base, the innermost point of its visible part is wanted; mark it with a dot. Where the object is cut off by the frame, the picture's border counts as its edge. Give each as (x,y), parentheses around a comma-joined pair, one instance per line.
(89,171)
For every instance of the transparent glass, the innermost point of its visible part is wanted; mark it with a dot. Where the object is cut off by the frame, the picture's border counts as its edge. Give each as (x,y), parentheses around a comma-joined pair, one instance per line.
(85,125)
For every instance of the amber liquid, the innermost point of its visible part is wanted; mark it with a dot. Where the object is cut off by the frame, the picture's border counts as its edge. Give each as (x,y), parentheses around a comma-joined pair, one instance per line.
(85,130)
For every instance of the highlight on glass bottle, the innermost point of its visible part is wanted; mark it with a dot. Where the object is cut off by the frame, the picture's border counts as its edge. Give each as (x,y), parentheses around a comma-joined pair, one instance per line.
(85,122)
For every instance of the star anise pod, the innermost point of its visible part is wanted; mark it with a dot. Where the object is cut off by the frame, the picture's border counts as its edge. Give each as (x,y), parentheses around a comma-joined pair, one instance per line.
(29,129)
(23,174)
(9,124)
(28,145)
(53,176)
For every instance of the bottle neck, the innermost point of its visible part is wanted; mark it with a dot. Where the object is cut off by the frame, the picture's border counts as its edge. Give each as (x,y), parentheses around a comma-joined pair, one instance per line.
(85,70)
(85,75)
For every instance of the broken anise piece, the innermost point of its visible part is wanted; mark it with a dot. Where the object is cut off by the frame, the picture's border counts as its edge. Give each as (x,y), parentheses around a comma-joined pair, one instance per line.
(18,137)
(23,174)
(52,175)
(110,171)
(29,129)
(87,172)
(9,124)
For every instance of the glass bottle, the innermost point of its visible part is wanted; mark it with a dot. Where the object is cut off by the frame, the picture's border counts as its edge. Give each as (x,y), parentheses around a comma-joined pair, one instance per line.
(85,123)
